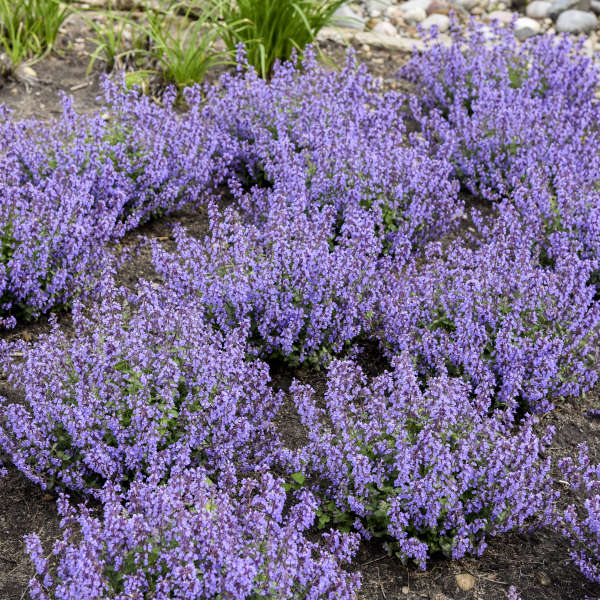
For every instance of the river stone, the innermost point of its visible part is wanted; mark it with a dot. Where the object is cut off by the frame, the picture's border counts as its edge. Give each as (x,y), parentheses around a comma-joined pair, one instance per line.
(504,16)
(384,28)
(576,21)
(442,22)
(538,9)
(560,6)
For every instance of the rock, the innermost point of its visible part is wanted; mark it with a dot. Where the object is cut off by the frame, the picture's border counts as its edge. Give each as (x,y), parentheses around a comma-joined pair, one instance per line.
(439,7)
(442,22)
(384,28)
(538,9)
(526,28)
(397,42)
(543,578)
(400,9)
(595,6)
(405,590)
(345,16)
(560,6)
(576,21)
(414,15)
(376,8)
(504,16)
(465,581)
(466,4)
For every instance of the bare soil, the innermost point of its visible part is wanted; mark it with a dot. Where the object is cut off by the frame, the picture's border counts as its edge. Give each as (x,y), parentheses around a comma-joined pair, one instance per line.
(536,563)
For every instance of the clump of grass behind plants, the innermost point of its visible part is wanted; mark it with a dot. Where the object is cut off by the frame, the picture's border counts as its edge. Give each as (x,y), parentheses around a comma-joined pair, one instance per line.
(28,28)
(271,29)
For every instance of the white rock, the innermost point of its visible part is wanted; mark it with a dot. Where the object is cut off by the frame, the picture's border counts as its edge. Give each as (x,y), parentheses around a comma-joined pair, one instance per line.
(376,8)
(466,4)
(504,16)
(345,16)
(384,28)
(402,44)
(527,23)
(414,15)
(442,22)
(412,4)
(538,9)
(576,21)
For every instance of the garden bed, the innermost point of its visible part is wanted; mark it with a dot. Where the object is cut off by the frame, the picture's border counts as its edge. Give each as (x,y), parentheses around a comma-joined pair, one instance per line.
(536,563)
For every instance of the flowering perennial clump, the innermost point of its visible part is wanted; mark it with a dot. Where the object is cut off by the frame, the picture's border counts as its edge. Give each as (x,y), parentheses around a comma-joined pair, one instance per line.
(582,527)
(307,285)
(141,389)
(516,329)
(190,540)
(428,470)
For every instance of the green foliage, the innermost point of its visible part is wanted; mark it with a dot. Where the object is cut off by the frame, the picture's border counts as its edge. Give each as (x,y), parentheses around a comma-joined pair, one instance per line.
(28,28)
(110,39)
(271,29)
(184,48)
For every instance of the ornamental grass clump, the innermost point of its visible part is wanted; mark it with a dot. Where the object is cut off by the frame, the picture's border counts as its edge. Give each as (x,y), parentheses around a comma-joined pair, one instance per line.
(142,388)
(419,465)
(271,30)
(517,330)
(191,539)
(306,284)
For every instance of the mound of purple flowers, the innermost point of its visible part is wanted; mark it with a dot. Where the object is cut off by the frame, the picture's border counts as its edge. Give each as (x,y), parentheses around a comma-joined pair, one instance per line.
(191,540)
(306,285)
(582,528)
(427,470)
(493,314)
(143,387)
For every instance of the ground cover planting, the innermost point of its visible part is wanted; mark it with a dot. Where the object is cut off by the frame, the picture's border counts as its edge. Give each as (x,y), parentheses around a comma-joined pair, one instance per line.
(393,296)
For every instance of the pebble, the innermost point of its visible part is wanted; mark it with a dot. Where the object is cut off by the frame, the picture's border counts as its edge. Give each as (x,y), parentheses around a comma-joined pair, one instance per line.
(465,581)
(442,22)
(414,15)
(560,6)
(466,4)
(576,21)
(376,8)
(384,28)
(504,16)
(345,16)
(523,23)
(595,6)
(539,9)
(440,7)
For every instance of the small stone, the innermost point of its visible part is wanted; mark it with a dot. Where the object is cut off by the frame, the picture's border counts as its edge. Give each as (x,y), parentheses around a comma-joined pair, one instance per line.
(439,7)
(576,21)
(560,6)
(405,590)
(465,581)
(477,10)
(466,4)
(376,8)
(543,578)
(595,6)
(538,9)
(344,16)
(442,22)
(415,15)
(504,16)
(384,28)
(526,27)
